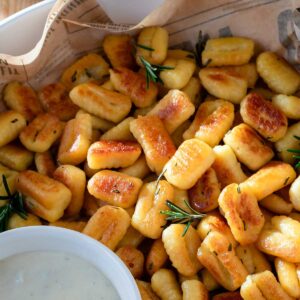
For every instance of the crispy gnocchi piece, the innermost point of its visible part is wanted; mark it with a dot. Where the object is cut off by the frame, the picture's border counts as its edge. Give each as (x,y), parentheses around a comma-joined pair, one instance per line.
(11,124)
(183,278)
(227,51)
(55,100)
(191,160)
(45,197)
(277,73)
(101,102)
(44,163)
(131,238)
(15,157)
(264,117)
(248,71)
(108,154)
(134,85)
(165,285)
(22,99)
(156,38)
(108,85)
(97,123)
(281,238)
(288,142)
(214,221)
(203,196)
(276,204)
(182,250)
(146,291)
(240,208)
(75,140)
(289,105)
(263,286)
(40,134)
(138,169)
(259,183)
(294,193)
(157,144)
(173,109)
(192,89)
(147,218)
(218,256)
(73,225)
(228,296)
(120,132)
(133,259)
(208,280)
(74,179)
(15,221)
(212,121)
(115,188)
(91,67)
(89,172)
(108,225)
(253,260)
(249,148)
(156,257)
(119,49)
(227,167)
(194,290)
(224,84)
(178,74)
(288,276)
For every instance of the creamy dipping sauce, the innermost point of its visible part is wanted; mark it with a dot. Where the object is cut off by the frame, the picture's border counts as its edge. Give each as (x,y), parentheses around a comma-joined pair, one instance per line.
(52,275)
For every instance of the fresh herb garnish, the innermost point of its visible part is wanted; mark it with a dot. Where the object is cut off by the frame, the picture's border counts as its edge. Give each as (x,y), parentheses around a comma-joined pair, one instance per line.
(152,71)
(178,215)
(15,204)
(238,189)
(286,180)
(144,47)
(199,47)
(296,151)
(157,182)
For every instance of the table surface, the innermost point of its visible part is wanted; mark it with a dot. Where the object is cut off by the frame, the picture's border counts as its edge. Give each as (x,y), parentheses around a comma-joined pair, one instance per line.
(9,7)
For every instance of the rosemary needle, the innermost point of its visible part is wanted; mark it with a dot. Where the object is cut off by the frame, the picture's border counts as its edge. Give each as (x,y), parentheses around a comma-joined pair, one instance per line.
(296,151)
(15,204)
(178,215)
(152,71)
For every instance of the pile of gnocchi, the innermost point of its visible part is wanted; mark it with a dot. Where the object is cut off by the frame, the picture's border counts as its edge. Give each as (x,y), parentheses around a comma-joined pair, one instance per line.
(102,150)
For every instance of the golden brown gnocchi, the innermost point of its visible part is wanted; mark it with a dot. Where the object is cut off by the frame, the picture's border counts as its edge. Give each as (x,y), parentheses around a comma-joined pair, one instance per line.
(41,194)
(41,133)
(157,144)
(108,225)
(108,154)
(248,146)
(134,85)
(189,163)
(264,117)
(173,109)
(115,188)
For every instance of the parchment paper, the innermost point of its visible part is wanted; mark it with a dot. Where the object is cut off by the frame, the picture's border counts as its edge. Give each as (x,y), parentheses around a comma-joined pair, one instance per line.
(75,27)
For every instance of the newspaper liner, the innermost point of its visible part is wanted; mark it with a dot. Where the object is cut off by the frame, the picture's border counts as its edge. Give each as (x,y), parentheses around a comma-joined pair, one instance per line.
(74,27)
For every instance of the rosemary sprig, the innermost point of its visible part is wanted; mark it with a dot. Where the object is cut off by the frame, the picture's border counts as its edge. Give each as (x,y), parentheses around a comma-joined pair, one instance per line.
(178,215)
(144,47)
(15,204)
(297,152)
(152,71)
(199,47)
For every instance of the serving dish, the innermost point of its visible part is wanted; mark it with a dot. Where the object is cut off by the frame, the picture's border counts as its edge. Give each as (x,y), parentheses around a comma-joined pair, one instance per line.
(46,238)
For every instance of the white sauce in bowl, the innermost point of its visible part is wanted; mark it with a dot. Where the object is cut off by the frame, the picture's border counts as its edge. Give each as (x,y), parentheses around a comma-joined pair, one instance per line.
(52,275)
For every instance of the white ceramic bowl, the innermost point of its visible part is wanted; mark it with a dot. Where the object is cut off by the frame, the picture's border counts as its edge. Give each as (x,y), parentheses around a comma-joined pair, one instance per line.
(48,238)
